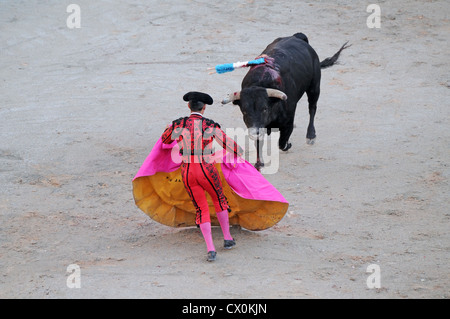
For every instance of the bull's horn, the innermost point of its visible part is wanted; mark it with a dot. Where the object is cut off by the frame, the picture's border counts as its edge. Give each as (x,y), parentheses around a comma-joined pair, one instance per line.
(232,97)
(277,94)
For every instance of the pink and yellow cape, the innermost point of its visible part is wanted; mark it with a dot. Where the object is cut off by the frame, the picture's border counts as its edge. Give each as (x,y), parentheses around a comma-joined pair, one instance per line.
(159,192)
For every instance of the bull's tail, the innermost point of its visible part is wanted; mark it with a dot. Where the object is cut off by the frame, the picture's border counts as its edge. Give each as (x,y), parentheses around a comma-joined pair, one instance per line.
(331,61)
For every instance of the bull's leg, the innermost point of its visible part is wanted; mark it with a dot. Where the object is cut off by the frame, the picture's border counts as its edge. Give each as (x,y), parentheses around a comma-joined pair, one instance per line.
(285,133)
(313,97)
(259,160)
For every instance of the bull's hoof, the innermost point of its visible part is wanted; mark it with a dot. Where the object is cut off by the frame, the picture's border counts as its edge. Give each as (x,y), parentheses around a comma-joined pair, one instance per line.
(258,165)
(286,147)
(310,141)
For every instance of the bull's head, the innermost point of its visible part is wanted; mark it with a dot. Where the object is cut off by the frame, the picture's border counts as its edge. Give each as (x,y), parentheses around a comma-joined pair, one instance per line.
(258,107)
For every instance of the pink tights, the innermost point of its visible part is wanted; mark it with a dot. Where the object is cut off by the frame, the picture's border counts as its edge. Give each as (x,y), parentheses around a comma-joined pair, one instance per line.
(224,224)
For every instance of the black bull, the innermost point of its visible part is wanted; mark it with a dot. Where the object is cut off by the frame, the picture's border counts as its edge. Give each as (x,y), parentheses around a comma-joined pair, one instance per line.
(270,92)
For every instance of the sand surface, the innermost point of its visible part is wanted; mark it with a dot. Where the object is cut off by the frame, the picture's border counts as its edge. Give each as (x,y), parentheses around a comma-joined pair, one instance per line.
(81,108)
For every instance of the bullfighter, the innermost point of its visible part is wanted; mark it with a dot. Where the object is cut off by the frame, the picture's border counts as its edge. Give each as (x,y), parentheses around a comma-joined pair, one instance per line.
(195,135)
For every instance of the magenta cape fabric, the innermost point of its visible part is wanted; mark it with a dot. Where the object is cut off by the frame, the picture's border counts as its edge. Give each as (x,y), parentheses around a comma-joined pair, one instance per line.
(240,175)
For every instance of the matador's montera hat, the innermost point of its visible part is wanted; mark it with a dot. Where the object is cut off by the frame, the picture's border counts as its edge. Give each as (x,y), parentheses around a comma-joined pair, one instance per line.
(198,97)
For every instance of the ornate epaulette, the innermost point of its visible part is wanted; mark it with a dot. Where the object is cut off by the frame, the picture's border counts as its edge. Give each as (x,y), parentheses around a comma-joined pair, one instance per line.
(178,121)
(211,123)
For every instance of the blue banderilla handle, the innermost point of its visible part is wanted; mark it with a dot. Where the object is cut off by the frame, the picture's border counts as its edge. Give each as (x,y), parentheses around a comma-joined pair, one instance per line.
(223,68)
(228,67)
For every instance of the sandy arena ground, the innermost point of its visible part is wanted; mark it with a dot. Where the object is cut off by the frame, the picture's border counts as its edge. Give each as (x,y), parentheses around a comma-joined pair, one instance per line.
(81,108)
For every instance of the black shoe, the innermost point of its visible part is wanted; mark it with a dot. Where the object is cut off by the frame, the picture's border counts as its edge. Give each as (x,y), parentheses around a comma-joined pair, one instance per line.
(228,244)
(211,256)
